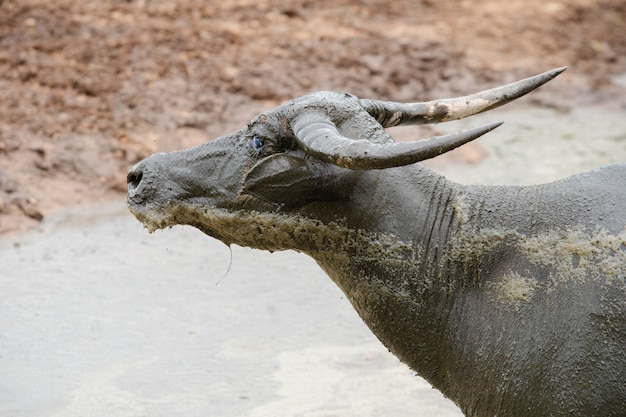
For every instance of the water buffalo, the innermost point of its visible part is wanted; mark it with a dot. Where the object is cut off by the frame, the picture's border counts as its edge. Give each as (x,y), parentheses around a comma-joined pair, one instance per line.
(510,300)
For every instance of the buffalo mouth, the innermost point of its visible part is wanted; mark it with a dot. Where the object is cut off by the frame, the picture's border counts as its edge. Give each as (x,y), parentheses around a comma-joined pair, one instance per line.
(152,217)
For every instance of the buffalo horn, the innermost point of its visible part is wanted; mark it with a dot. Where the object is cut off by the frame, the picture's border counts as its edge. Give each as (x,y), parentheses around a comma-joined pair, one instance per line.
(318,136)
(390,114)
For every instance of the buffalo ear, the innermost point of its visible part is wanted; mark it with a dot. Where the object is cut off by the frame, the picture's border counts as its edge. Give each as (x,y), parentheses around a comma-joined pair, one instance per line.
(294,180)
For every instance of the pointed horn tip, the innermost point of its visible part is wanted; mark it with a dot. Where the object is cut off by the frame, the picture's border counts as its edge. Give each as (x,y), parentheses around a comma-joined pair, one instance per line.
(544,77)
(556,71)
(479,131)
(494,125)
(528,84)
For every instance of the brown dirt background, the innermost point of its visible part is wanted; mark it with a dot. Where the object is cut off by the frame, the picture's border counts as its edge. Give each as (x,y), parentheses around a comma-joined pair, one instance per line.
(88,88)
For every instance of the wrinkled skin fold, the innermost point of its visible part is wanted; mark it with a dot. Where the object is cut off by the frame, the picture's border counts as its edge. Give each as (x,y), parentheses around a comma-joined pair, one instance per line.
(510,300)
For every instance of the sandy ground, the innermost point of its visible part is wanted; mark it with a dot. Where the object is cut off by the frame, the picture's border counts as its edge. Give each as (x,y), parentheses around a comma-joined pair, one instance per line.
(101,319)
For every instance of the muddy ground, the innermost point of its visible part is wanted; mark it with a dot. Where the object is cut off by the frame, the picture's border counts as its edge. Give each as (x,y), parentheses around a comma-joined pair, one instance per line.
(89,88)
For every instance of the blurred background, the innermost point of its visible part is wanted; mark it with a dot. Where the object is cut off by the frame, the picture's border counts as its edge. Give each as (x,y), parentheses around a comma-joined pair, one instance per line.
(88,88)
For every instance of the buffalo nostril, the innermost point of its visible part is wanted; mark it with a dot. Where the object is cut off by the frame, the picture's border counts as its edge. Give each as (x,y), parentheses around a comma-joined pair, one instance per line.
(134,179)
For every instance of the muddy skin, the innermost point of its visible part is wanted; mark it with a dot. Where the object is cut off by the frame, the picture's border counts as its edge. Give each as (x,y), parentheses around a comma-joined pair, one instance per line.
(509,300)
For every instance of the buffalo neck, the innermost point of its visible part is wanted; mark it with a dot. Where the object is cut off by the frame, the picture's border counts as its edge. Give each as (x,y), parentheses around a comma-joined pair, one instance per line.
(392,264)
(408,262)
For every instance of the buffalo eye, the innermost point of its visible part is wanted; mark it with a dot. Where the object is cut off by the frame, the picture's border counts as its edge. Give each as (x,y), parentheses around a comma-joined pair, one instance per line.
(257,143)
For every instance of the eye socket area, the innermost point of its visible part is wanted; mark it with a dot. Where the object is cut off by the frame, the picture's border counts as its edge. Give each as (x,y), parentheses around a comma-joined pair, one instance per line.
(257,143)
(261,145)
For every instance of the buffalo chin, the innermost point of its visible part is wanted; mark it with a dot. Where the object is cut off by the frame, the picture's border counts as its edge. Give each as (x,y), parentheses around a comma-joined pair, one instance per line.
(152,218)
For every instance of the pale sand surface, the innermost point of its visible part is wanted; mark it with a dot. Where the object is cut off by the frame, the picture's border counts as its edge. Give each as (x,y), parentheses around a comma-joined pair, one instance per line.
(99,318)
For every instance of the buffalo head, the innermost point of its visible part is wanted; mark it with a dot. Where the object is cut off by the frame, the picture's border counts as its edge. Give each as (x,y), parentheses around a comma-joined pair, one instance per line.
(308,151)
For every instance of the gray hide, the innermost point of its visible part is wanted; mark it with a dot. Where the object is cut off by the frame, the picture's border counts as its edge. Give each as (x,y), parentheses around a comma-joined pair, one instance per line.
(510,300)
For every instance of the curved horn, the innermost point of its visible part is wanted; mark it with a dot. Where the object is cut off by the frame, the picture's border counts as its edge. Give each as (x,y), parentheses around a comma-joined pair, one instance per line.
(318,136)
(390,114)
